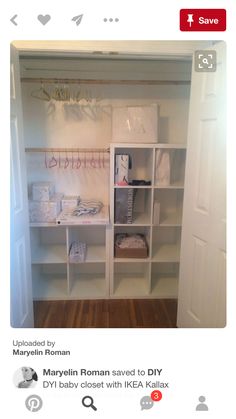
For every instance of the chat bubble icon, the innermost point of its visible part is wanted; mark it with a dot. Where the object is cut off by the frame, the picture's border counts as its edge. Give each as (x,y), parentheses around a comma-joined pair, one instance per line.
(146,403)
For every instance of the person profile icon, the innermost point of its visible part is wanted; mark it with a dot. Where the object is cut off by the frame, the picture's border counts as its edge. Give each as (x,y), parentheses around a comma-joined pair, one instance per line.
(202,406)
(25,377)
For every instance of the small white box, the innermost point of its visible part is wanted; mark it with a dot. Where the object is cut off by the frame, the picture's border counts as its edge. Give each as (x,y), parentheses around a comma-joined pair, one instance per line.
(156,212)
(137,124)
(69,202)
(45,211)
(122,162)
(42,191)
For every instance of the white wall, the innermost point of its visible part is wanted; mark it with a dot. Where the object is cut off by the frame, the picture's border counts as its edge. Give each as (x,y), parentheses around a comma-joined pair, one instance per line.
(62,124)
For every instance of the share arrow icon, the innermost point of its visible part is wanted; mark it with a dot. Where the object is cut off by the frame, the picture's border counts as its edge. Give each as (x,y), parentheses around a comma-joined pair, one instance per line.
(12,20)
(77,19)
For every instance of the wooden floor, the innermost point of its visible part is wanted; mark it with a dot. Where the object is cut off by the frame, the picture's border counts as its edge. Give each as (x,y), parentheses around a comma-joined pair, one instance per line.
(106,313)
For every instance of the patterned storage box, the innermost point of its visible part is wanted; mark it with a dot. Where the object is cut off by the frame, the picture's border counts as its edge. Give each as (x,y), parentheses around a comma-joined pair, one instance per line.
(45,211)
(77,252)
(42,191)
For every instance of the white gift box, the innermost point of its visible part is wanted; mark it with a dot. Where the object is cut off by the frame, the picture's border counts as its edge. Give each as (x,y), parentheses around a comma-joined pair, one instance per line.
(137,124)
(45,211)
(69,202)
(42,191)
(156,212)
(163,167)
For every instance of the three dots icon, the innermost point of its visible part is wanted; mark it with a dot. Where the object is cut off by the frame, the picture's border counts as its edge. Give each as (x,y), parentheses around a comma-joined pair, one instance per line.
(110,20)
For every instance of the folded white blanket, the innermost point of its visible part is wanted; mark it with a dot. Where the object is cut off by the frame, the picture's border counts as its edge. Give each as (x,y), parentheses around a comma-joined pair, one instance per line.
(88,207)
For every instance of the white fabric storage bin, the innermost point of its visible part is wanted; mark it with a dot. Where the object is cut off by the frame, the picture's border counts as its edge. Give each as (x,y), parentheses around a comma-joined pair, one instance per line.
(137,124)
(45,211)
(42,191)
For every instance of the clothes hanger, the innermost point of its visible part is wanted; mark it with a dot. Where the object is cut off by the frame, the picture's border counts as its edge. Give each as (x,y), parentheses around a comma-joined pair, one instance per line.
(52,162)
(93,162)
(41,94)
(67,162)
(78,164)
(45,160)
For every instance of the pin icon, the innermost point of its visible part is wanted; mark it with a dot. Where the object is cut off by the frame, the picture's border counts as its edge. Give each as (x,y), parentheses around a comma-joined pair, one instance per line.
(44,19)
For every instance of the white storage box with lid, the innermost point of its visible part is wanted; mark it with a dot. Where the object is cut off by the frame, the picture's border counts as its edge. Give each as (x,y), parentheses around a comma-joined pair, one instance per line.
(42,191)
(45,211)
(137,124)
(69,202)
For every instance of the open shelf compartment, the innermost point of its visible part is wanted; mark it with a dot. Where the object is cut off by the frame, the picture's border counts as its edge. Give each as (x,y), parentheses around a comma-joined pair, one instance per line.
(141,159)
(88,281)
(131,280)
(131,229)
(169,168)
(164,280)
(171,206)
(141,214)
(49,281)
(48,245)
(166,244)
(95,239)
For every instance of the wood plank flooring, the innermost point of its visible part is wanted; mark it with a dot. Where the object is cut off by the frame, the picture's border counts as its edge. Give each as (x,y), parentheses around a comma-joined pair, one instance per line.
(106,313)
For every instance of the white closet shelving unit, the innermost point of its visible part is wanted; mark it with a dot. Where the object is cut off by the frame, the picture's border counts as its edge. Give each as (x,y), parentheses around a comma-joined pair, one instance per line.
(120,83)
(157,275)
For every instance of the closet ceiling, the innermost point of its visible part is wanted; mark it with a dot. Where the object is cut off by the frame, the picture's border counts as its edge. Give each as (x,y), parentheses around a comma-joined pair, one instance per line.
(104,68)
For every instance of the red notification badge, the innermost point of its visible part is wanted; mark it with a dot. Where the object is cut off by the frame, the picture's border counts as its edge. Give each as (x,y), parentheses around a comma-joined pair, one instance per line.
(156,395)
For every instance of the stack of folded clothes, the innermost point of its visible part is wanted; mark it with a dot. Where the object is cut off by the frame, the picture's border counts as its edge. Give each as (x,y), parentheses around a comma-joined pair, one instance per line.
(86,207)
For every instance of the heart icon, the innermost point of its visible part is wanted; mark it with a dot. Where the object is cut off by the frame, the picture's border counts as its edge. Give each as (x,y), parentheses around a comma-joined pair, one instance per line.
(44,19)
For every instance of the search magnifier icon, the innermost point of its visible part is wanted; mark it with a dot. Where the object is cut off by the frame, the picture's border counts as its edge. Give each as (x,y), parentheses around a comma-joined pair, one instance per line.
(205,61)
(87,401)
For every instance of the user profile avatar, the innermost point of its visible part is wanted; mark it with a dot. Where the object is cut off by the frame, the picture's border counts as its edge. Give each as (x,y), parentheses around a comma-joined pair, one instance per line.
(25,377)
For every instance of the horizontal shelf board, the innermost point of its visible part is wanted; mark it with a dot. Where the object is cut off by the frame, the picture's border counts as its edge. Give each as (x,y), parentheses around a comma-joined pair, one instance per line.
(49,254)
(94,254)
(50,287)
(166,253)
(130,285)
(164,286)
(44,224)
(171,145)
(133,187)
(174,185)
(89,286)
(130,260)
(154,145)
(140,219)
(171,219)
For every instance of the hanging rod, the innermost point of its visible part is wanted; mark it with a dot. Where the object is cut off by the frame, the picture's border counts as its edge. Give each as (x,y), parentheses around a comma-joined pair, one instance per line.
(66,150)
(103,81)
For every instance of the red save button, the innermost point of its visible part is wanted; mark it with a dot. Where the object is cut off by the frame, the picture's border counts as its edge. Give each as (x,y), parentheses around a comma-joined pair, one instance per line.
(202,19)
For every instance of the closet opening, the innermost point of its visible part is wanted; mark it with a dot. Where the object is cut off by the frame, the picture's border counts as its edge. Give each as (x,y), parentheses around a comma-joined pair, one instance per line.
(105,151)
